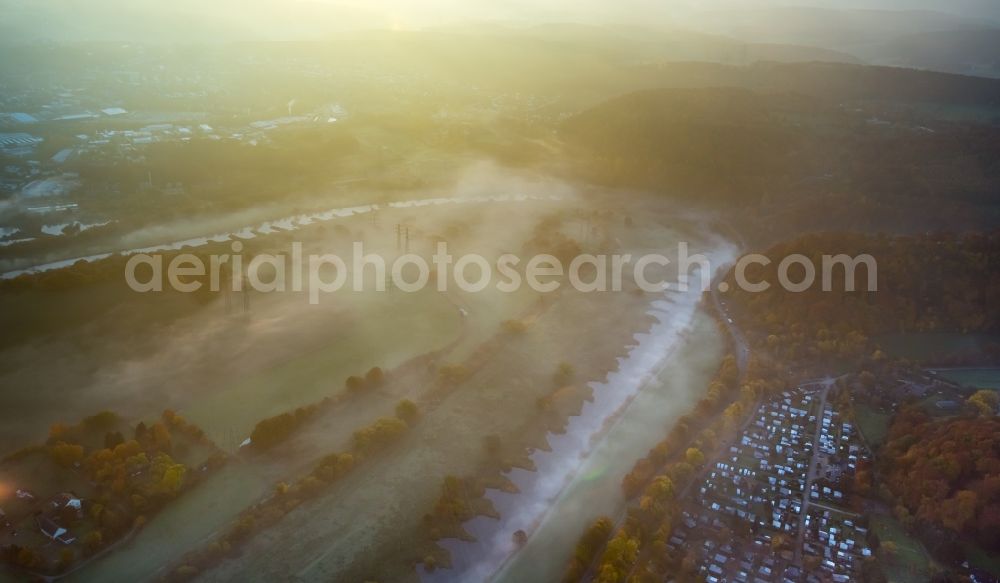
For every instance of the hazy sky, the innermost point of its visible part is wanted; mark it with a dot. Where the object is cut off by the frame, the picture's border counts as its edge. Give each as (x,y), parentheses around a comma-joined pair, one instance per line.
(293,19)
(425,12)
(419,12)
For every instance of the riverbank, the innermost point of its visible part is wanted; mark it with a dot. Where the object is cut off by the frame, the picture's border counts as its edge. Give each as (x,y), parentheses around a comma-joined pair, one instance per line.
(569,453)
(595,490)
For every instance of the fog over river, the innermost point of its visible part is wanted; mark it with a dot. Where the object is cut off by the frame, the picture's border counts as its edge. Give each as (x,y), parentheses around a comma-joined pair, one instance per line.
(659,380)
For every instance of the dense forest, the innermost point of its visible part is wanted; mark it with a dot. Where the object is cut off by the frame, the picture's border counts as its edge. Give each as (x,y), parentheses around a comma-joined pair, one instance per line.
(946,473)
(710,141)
(836,81)
(787,156)
(925,283)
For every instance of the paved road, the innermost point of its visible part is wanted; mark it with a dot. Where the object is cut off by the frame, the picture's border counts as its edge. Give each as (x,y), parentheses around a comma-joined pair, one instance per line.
(740,343)
(811,471)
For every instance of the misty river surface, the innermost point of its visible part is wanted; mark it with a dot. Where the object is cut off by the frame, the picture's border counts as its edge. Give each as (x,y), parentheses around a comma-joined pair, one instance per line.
(290,223)
(579,480)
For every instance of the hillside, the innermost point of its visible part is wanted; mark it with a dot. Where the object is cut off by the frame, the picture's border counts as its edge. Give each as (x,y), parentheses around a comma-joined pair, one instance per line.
(968,52)
(709,141)
(843,157)
(836,81)
(839,29)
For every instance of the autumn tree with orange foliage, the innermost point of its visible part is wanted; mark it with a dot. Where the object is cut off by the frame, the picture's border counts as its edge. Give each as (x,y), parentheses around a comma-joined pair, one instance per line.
(946,472)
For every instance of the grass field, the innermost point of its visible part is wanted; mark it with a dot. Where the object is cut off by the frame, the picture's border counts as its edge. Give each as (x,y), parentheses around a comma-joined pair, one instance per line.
(225,372)
(910,563)
(980,559)
(367,527)
(71,352)
(873,424)
(376,330)
(350,333)
(190,519)
(212,505)
(924,345)
(980,378)
(374,512)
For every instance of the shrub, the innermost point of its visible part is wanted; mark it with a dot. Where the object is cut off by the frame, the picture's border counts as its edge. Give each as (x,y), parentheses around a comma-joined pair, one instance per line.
(515,326)
(407,410)
(379,434)
(375,376)
(354,383)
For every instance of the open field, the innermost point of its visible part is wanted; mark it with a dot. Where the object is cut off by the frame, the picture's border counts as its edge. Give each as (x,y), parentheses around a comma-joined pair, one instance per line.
(281,355)
(376,511)
(379,330)
(93,348)
(225,373)
(979,378)
(873,424)
(212,506)
(365,527)
(285,354)
(186,523)
(924,345)
(911,563)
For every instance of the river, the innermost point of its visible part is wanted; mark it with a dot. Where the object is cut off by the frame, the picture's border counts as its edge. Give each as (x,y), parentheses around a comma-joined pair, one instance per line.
(289,223)
(660,379)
